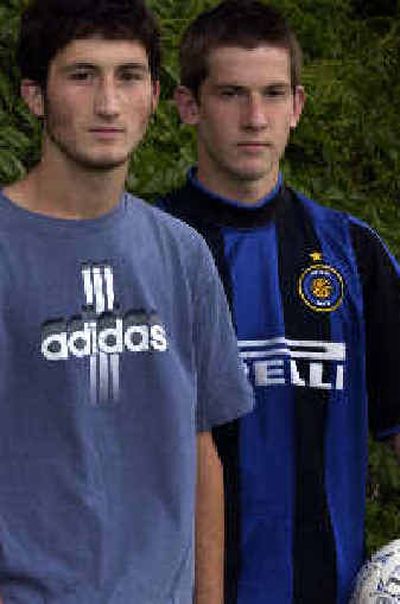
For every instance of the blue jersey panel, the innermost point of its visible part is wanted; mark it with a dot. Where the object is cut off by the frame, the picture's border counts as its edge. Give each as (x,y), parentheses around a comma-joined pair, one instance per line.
(265,435)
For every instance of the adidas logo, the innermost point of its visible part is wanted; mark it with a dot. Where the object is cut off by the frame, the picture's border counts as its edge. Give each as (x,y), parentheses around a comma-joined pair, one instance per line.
(106,334)
(101,333)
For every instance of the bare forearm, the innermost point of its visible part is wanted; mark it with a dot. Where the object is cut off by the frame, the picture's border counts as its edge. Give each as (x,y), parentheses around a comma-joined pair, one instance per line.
(209,524)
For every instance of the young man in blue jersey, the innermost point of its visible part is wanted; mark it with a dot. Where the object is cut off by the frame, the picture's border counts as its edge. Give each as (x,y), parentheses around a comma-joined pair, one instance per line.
(320,346)
(114,364)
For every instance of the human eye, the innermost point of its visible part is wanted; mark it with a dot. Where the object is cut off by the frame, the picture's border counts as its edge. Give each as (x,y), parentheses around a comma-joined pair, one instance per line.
(276,93)
(129,75)
(81,74)
(231,92)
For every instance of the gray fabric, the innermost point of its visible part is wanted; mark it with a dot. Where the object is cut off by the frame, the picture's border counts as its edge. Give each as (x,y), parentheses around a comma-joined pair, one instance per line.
(115,348)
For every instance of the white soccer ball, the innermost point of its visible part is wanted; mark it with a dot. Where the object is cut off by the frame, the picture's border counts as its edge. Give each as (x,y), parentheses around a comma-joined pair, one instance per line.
(378,581)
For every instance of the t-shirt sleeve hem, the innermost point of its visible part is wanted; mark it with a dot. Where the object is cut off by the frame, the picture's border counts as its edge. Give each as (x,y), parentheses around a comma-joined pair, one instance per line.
(206,425)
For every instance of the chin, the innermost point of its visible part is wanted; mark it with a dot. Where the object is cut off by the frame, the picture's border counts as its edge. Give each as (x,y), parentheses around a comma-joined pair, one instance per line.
(256,171)
(101,164)
(106,165)
(250,175)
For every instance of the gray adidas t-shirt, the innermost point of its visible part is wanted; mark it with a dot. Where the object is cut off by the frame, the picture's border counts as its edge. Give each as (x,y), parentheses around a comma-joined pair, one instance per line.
(115,348)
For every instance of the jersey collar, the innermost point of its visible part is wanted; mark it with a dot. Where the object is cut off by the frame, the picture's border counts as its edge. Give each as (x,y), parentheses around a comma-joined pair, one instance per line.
(202,206)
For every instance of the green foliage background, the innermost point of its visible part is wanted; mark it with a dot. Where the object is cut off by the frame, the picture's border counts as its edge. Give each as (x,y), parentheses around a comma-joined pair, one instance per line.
(345,153)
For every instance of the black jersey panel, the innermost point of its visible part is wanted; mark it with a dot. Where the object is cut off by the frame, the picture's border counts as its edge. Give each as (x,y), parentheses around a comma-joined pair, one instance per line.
(314,553)
(380,277)
(336,280)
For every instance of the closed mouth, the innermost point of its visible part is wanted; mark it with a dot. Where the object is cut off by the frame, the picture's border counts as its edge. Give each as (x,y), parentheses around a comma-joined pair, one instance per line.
(107,130)
(254,144)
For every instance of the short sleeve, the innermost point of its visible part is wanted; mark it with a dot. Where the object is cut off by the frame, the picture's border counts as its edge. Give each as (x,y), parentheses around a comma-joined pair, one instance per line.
(380,275)
(224,392)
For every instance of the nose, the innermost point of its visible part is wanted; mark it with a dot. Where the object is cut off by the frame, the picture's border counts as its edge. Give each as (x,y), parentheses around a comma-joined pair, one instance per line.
(255,112)
(107,98)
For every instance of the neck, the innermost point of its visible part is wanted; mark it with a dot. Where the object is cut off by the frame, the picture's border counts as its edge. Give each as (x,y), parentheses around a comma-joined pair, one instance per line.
(58,189)
(244,190)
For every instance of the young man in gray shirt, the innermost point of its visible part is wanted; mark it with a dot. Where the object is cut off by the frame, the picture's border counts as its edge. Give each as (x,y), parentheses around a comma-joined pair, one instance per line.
(117,353)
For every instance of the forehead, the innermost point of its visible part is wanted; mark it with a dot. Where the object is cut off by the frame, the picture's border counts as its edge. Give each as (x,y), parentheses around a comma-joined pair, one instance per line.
(101,52)
(244,66)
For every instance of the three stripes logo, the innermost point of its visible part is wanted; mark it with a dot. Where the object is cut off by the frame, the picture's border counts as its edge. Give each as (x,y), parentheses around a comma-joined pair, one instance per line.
(102,333)
(98,285)
(281,361)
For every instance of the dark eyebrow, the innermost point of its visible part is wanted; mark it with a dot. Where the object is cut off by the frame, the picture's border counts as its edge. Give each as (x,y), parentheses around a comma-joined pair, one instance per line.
(72,66)
(229,85)
(239,87)
(134,66)
(93,66)
(278,85)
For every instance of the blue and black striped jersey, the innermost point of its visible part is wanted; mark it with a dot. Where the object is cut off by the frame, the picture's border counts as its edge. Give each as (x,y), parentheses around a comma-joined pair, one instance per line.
(315,298)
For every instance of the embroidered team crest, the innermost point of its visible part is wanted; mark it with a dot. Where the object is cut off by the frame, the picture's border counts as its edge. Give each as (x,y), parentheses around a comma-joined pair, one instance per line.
(321,286)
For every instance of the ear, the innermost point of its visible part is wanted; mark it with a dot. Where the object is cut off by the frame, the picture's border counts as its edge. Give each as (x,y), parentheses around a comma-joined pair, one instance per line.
(32,94)
(187,106)
(299,98)
(155,97)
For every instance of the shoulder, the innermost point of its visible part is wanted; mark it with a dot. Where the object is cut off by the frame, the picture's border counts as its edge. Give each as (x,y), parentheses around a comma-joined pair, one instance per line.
(164,224)
(154,214)
(328,218)
(174,240)
(370,250)
(321,213)
(366,238)
(330,226)
(325,214)
(374,257)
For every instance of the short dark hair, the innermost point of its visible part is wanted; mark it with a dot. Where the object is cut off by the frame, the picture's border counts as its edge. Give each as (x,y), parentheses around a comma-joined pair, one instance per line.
(243,23)
(47,26)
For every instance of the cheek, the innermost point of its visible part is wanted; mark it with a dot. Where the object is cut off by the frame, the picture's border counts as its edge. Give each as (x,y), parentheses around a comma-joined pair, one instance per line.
(61,112)
(57,118)
(282,123)
(219,115)
(217,126)
(211,133)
